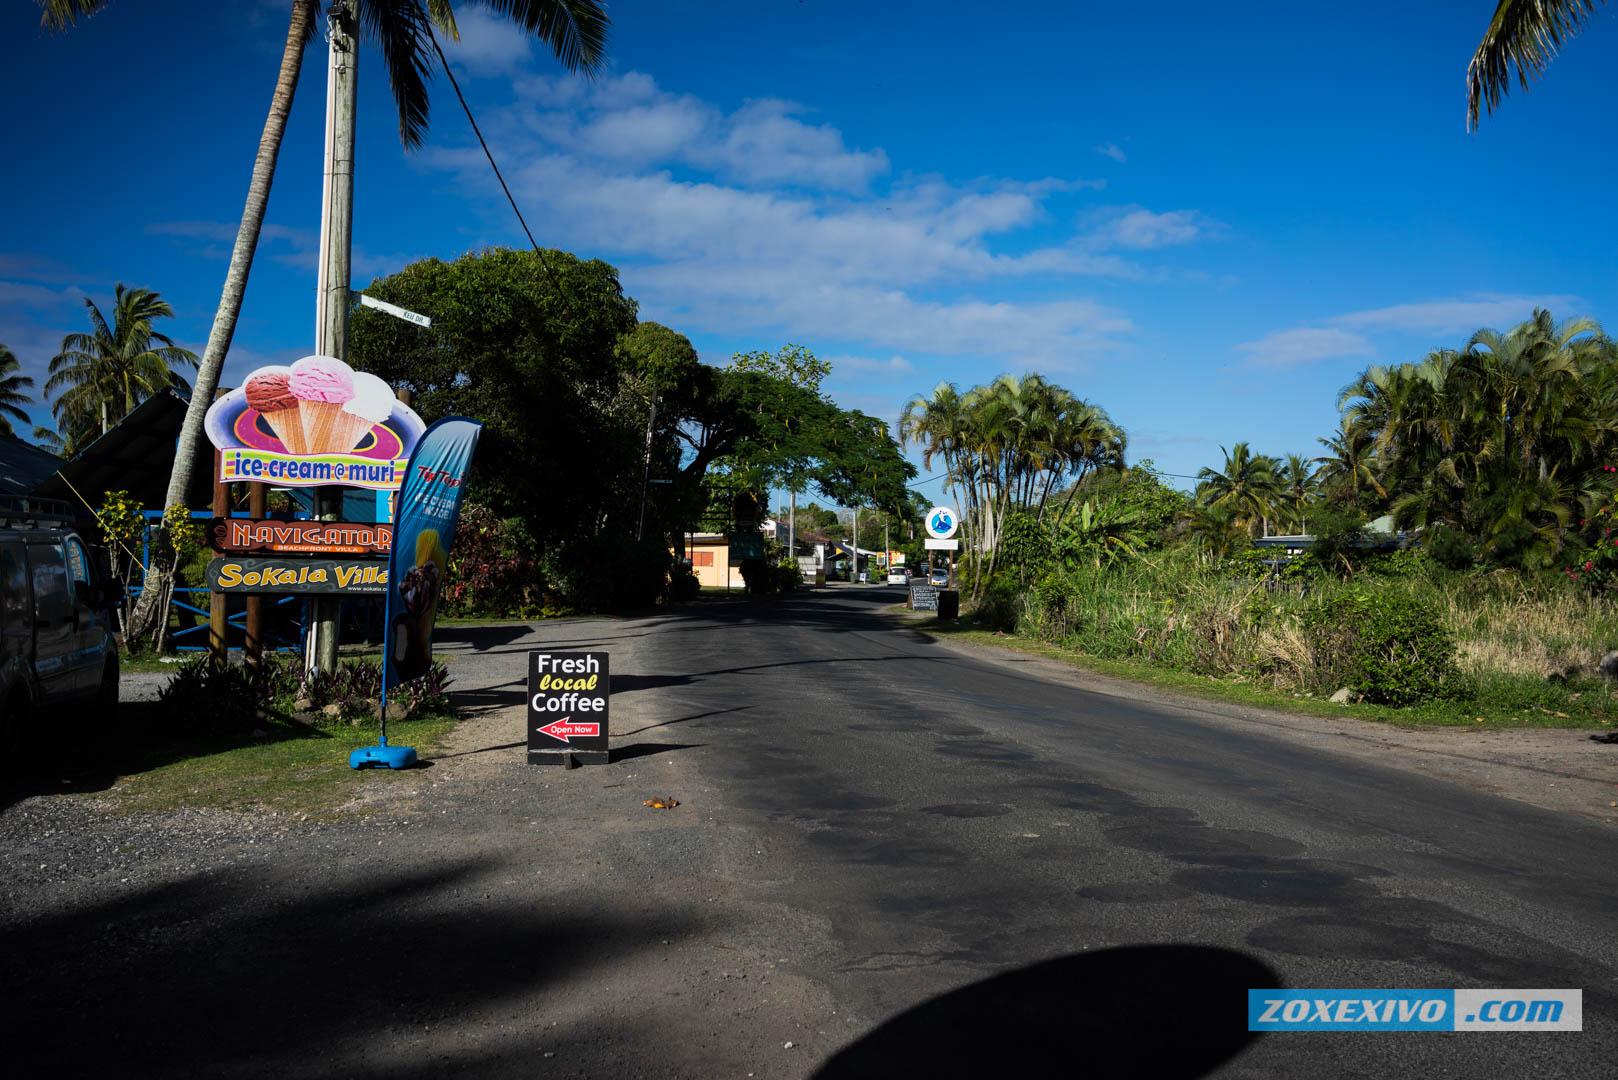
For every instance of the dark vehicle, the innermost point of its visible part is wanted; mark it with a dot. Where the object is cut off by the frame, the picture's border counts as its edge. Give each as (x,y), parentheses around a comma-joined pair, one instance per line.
(56,614)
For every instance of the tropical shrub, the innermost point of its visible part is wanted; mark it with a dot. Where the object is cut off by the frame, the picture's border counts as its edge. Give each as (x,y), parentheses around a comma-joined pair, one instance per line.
(205,695)
(492,572)
(1388,646)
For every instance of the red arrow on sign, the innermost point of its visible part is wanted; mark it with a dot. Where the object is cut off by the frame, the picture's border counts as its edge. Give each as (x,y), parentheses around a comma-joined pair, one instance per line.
(561,729)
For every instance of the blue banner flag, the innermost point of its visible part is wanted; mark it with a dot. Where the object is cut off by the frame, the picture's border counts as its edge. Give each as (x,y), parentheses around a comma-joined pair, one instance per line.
(424,528)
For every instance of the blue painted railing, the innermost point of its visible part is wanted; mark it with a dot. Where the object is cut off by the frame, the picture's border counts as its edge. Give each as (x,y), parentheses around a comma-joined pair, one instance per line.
(199,632)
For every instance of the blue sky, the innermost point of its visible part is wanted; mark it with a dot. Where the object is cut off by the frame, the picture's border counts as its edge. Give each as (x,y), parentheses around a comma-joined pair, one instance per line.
(1205,223)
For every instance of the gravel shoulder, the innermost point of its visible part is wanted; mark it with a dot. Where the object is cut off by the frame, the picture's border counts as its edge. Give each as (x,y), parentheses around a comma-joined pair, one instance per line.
(479,916)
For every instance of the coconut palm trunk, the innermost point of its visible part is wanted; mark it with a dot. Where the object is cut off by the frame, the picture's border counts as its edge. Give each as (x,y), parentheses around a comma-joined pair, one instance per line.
(151,615)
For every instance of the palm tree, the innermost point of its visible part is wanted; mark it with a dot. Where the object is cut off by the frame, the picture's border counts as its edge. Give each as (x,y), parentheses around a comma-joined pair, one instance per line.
(1247,484)
(1352,461)
(576,31)
(1298,485)
(12,399)
(1525,34)
(101,376)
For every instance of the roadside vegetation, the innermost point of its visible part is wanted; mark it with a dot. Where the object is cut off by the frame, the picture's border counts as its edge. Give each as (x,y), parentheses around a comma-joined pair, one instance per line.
(1460,560)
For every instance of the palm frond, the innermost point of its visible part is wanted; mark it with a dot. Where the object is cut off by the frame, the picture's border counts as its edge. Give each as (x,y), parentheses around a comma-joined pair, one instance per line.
(403,33)
(576,30)
(1525,34)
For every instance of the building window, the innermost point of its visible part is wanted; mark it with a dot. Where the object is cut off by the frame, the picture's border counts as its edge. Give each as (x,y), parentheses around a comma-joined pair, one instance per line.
(702,558)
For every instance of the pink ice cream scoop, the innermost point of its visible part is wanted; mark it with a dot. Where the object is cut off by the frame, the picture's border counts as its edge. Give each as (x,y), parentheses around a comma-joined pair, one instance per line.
(321,378)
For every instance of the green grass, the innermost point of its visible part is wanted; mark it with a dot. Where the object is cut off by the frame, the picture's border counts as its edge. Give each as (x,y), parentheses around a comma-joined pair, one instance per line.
(1507,702)
(289,769)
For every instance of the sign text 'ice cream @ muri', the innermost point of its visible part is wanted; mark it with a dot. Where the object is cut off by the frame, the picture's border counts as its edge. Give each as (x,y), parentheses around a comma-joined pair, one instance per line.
(316,422)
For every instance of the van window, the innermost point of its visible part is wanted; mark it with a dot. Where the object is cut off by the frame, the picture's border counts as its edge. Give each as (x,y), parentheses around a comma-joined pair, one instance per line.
(14,586)
(53,595)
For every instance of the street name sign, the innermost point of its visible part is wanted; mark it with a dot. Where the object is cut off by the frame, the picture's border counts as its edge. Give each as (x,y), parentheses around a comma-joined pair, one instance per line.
(395,310)
(568,697)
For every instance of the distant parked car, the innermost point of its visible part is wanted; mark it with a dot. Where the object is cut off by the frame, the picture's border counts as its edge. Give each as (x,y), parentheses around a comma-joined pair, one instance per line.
(938,576)
(898,575)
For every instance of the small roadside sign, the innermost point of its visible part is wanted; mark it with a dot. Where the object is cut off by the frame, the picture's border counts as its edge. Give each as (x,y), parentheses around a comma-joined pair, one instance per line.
(568,698)
(923,598)
(395,310)
(941,545)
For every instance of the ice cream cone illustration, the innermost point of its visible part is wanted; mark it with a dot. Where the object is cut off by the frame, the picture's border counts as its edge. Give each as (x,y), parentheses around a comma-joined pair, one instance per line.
(322,385)
(267,392)
(371,405)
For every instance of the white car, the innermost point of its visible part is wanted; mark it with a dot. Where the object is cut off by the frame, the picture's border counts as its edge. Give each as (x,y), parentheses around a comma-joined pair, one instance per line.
(898,575)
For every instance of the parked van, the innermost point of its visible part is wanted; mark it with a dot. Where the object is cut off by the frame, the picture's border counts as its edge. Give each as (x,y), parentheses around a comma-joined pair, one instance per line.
(57,598)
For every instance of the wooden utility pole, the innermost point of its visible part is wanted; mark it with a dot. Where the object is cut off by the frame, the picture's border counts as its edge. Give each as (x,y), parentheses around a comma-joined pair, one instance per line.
(336,238)
(253,643)
(218,614)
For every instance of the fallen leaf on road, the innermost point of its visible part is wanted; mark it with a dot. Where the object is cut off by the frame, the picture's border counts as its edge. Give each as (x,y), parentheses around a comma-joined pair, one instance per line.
(663,803)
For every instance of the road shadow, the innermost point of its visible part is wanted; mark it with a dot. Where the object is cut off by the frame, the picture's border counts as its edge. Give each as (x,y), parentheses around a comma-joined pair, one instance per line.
(647,749)
(239,972)
(1169,1012)
(481,638)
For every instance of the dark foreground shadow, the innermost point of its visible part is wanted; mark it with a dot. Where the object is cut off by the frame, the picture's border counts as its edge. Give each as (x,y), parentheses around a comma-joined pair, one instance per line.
(265,972)
(1163,1011)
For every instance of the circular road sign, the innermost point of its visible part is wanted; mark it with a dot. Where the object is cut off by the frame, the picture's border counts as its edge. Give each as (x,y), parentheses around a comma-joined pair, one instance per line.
(941,522)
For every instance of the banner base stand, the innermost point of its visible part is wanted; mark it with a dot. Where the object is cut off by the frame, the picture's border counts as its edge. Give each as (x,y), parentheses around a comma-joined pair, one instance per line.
(392,757)
(569,759)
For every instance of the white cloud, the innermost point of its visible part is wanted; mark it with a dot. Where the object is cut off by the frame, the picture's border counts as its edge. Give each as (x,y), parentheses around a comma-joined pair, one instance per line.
(1137,228)
(1460,316)
(489,44)
(760,220)
(1112,150)
(864,365)
(1305,345)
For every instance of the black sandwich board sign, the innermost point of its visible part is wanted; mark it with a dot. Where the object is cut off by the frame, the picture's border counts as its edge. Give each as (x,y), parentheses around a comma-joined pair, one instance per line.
(923,597)
(568,695)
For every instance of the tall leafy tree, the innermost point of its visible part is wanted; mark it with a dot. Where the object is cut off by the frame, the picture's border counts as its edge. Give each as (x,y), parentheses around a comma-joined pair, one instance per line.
(1499,442)
(12,384)
(99,377)
(1523,34)
(575,30)
(1006,446)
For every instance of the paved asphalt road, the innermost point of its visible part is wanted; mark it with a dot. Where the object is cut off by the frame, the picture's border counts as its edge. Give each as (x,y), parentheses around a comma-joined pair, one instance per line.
(935,819)
(902,857)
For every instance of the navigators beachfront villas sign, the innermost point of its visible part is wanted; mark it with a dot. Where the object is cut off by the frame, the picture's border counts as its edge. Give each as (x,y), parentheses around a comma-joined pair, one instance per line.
(314,423)
(241,535)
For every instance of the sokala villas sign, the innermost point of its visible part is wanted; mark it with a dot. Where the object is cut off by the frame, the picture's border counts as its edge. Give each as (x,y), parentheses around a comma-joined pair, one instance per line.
(314,423)
(344,577)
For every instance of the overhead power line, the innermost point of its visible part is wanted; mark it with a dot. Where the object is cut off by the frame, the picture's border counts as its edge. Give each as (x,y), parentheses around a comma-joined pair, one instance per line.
(566,296)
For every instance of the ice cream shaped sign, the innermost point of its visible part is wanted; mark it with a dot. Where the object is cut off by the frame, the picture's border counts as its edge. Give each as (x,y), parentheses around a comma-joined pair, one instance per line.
(316,422)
